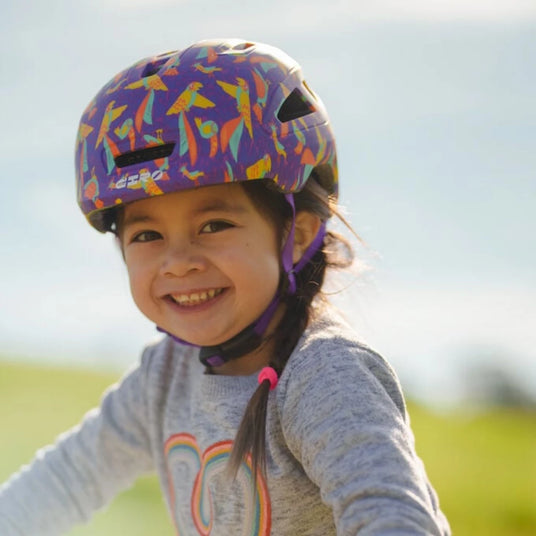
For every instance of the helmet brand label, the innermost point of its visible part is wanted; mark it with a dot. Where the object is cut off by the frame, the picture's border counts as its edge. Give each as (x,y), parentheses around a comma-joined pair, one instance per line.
(137,180)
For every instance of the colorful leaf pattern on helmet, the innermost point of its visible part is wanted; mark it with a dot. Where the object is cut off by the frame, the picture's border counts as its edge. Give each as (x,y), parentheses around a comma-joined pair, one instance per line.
(219,103)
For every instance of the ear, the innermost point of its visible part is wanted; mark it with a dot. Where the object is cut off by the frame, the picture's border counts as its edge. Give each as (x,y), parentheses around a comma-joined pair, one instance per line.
(306,228)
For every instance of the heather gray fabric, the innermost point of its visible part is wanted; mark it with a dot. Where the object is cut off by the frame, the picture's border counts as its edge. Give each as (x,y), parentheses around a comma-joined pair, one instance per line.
(341,456)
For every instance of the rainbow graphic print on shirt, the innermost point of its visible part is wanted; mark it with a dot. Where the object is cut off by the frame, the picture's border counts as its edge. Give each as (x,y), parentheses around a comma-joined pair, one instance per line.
(188,467)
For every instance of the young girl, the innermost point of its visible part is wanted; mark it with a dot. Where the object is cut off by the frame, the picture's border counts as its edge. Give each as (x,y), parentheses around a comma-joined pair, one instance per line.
(260,410)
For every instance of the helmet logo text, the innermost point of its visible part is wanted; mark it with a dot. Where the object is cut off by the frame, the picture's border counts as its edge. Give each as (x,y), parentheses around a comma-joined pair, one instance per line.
(137,180)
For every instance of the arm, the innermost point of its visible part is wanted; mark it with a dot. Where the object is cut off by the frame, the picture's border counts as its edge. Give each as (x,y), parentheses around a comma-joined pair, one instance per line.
(84,470)
(344,420)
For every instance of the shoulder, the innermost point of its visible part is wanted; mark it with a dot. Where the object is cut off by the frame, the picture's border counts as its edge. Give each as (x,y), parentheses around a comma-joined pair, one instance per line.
(164,369)
(331,360)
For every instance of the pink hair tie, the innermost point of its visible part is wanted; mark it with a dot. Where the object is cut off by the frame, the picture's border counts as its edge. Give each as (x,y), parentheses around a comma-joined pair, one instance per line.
(268,373)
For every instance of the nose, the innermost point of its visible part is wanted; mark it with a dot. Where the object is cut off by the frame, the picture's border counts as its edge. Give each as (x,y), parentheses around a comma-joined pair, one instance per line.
(180,259)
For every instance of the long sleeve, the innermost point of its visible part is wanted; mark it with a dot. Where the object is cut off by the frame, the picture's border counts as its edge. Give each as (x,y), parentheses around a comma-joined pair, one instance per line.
(84,469)
(344,419)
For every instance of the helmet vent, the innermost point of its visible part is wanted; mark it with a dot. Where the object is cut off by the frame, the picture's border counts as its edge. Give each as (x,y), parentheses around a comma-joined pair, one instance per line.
(295,105)
(144,155)
(154,66)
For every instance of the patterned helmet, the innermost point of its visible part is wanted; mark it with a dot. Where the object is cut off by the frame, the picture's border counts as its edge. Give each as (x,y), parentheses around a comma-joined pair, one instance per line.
(216,112)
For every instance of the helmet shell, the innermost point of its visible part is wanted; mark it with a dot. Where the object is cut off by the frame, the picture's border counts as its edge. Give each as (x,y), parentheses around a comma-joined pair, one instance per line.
(216,112)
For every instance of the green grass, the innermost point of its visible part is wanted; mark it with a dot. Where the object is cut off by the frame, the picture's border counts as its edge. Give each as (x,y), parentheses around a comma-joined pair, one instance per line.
(483,465)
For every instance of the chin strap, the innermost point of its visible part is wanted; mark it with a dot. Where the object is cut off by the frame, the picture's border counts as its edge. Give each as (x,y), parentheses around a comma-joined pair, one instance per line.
(251,337)
(241,344)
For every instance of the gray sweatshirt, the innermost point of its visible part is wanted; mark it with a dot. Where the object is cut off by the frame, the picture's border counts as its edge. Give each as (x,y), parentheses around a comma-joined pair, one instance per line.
(340,452)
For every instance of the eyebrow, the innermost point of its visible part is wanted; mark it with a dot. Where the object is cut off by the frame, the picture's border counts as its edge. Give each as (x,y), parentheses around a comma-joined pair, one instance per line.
(136,218)
(212,205)
(219,205)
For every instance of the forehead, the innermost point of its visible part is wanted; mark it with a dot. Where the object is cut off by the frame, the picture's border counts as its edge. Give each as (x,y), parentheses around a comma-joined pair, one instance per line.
(220,198)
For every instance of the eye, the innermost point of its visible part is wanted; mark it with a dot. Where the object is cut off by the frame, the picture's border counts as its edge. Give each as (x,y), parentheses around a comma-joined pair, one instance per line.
(145,236)
(215,226)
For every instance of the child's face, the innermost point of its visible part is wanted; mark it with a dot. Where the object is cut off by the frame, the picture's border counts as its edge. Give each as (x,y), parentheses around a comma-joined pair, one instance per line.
(203,264)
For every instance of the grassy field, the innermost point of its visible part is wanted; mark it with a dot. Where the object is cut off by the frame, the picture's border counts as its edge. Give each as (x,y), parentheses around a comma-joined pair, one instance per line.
(483,465)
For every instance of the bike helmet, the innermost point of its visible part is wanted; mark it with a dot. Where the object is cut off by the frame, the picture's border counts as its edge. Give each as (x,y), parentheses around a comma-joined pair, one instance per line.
(216,112)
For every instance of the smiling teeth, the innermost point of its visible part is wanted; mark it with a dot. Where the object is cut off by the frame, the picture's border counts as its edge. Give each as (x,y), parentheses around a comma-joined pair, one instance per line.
(196,297)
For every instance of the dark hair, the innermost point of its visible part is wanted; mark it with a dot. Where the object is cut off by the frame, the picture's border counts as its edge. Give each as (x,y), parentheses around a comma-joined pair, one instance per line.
(335,252)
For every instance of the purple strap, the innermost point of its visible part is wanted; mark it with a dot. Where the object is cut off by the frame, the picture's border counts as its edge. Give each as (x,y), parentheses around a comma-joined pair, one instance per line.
(314,246)
(288,248)
(215,361)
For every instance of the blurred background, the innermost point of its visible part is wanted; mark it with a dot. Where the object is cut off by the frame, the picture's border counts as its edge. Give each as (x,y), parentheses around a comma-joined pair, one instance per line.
(433,106)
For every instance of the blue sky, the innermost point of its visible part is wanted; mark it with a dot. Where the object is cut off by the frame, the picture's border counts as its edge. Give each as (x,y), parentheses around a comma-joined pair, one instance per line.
(433,106)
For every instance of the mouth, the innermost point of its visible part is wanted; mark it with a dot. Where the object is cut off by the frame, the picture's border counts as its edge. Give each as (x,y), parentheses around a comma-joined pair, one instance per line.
(195,298)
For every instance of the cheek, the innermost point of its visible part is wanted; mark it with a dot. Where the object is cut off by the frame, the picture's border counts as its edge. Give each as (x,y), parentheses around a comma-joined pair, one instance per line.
(264,264)
(139,283)
(134,286)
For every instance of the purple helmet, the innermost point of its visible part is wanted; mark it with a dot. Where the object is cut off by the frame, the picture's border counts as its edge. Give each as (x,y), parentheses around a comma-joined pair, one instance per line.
(216,112)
